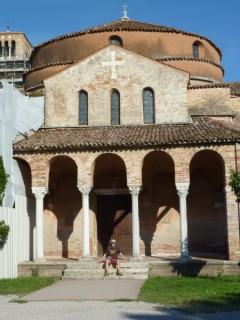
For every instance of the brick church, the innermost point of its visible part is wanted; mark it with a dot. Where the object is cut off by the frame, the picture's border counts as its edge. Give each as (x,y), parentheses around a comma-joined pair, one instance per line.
(139,138)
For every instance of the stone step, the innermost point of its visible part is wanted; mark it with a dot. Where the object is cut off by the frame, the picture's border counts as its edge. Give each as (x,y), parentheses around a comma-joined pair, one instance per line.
(100,265)
(110,277)
(94,269)
(101,271)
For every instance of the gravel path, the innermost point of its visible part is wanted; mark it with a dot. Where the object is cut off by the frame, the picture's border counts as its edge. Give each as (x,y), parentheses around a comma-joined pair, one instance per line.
(96,310)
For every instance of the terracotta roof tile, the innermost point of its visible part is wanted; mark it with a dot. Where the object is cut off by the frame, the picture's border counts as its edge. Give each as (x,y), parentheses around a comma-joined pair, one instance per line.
(234,87)
(202,130)
(165,59)
(60,63)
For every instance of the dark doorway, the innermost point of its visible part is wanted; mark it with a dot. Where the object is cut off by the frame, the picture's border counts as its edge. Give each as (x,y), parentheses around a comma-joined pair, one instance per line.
(114,220)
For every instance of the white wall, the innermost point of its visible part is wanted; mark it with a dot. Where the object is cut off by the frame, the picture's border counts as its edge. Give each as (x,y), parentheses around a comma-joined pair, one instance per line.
(18,246)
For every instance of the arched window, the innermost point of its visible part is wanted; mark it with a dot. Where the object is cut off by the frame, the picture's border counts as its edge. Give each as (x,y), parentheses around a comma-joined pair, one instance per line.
(196,50)
(6,49)
(83,108)
(148,106)
(116,40)
(115,107)
(13,48)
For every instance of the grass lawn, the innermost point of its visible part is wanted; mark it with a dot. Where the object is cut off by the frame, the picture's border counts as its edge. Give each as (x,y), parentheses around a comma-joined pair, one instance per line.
(22,286)
(194,294)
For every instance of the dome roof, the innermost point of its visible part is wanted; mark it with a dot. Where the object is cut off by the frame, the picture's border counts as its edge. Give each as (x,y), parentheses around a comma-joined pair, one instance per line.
(165,44)
(127,25)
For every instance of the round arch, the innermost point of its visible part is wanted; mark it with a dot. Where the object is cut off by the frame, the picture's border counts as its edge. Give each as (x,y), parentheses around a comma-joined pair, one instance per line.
(62,207)
(160,154)
(207,221)
(23,188)
(113,203)
(109,171)
(116,40)
(159,217)
(198,49)
(24,172)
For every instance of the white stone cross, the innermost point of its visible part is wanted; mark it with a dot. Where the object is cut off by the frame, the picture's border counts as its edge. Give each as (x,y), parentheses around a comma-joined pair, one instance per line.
(113,63)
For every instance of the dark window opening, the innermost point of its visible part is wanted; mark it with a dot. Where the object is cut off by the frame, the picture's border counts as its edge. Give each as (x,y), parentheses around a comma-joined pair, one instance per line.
(6,49)
(148,106)
(13,49)
(115,40)
(115,108)
(196,50)
(83,108)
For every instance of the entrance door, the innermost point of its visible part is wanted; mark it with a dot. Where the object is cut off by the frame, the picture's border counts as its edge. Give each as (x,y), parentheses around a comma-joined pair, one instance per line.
(114,220)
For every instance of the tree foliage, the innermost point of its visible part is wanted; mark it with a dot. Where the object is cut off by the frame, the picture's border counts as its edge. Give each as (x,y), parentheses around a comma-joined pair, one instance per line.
(4,231)
(235,183)
(3,180)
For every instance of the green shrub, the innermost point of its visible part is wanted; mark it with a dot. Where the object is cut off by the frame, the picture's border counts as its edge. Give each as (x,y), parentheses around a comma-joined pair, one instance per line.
(3,180)
(235,183)
(4,231)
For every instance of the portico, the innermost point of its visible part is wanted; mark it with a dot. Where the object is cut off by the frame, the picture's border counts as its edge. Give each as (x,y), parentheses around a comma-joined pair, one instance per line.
(143,198)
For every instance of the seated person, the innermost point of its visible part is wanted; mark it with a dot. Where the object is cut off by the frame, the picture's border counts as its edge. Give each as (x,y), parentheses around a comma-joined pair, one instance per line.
(113,254)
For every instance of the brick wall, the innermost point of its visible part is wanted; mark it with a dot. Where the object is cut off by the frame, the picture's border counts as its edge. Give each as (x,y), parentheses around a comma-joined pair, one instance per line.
(134,160)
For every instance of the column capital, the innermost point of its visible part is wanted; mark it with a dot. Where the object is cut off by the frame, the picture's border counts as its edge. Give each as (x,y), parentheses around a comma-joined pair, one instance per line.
(85,190)
(134,190)
(182,188)
(39,192)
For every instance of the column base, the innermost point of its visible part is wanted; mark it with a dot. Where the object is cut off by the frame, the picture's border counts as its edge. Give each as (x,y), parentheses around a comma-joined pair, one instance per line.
(87,258)
(185,259)
(40,260)
(137,258)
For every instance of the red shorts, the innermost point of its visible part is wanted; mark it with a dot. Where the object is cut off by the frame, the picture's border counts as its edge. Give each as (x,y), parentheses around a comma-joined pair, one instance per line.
(112,261)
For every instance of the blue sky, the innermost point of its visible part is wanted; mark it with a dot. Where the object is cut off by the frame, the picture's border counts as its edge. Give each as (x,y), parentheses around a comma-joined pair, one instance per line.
(219,20)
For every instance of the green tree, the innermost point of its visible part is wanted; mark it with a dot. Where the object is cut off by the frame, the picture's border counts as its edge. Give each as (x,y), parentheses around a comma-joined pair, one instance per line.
(4,231)
(235,183)
(3,180)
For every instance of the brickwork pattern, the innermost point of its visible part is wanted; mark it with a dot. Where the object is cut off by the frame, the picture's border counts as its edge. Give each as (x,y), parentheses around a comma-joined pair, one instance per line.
(133,159)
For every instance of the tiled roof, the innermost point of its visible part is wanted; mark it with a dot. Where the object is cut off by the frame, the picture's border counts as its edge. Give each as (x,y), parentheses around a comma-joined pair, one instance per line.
(60,63)
(202,130)
(127,25)
(165,59)
(234,87)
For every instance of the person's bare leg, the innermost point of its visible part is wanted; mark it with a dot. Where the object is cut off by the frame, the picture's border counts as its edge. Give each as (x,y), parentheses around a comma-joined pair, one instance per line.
(107,267)
(118,267)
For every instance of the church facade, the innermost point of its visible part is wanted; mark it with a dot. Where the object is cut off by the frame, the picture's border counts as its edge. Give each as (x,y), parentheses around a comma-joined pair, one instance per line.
(140,136)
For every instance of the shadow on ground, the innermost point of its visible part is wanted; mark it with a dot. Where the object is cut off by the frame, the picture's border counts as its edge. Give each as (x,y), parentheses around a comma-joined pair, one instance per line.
(230,303)
(201,308)
(189,268)
(168,315)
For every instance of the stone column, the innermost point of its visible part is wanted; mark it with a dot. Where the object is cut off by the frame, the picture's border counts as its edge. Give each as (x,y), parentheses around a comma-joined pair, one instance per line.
(86,225)
(182,190)
(39,193)
(232,225)
(134,190)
